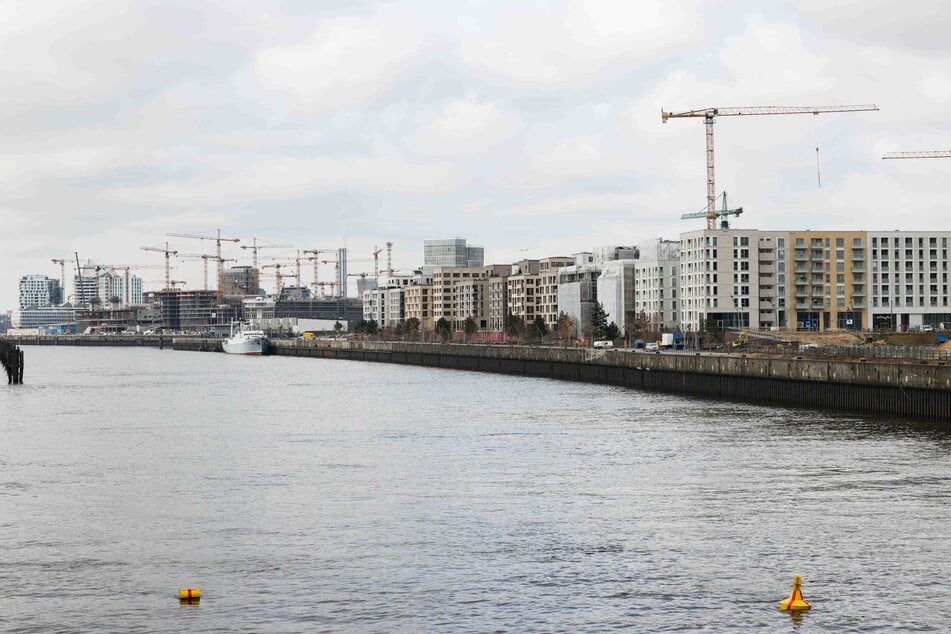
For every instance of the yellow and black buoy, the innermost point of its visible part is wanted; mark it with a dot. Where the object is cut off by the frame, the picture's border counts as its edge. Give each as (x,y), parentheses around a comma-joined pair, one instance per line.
(795,602)
(189,594)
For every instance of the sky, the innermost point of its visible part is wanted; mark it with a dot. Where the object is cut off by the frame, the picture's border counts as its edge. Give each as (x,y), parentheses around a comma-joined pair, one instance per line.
(532,129)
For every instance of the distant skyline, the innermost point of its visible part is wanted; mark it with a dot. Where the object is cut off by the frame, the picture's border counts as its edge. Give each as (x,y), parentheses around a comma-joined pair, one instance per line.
(531,129)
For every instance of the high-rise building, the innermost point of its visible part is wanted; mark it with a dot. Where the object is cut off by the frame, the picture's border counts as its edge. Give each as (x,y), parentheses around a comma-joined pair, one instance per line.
(39,290)
(452,252)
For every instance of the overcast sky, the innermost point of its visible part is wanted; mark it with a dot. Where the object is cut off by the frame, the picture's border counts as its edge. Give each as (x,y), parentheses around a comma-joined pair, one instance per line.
(530,128)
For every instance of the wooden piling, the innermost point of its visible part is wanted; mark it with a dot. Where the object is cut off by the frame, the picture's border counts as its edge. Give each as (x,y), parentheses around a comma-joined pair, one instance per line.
(11,357)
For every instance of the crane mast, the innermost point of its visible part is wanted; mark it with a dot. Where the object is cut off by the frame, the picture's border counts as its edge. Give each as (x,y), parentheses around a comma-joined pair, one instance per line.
(710,114)
(167,252)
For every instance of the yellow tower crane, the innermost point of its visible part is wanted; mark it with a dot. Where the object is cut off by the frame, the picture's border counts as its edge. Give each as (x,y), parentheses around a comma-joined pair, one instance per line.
(218,240)
(710,114)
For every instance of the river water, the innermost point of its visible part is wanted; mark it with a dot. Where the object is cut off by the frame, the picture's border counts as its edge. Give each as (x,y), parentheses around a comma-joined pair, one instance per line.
(306,495)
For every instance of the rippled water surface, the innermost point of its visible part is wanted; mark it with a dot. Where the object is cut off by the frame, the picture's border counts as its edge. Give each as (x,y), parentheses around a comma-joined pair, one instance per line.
(333,496)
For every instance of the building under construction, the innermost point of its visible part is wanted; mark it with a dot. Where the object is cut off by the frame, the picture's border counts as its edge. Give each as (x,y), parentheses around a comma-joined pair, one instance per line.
(342,309)
(191,311)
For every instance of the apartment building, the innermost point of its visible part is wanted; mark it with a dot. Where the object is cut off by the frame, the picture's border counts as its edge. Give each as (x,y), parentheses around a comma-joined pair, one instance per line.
(655,284)
(39,290)
(731,276)
(909,279)
(418,303)
(547,291)
(522,289)
(375,305)
(829,284)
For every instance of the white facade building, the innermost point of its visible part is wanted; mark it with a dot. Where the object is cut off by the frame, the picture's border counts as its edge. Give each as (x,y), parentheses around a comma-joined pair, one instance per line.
(39,290)
(616,292)
(656,281)
(732,276)
(909,279)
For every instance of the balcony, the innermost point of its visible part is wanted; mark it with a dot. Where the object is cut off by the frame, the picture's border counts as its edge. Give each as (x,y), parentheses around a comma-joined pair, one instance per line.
(802,268)
(802,306)
(858,257)
(858,292)
(801,256)
(858,268)
(818,268)
(859,305)
(818,293)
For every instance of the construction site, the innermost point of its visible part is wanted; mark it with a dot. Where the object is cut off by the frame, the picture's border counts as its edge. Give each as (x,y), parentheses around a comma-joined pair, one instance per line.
(109,298)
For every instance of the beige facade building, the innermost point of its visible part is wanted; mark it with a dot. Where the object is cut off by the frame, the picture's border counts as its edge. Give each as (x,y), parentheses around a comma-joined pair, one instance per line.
(418,303)
(829,290)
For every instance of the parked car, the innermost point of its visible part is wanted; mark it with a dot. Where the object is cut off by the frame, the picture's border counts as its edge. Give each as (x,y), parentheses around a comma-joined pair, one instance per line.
(651,347)
(603,344)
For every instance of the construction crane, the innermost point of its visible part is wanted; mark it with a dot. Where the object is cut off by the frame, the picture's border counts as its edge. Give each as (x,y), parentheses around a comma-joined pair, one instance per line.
(317,261)
(127,268)
(168,252)
(710,114)
(376,263)
(277,276)
(254,246)
(720,213)
(62,277)
(910,155)
(205,257)
(389,259)
(218,240)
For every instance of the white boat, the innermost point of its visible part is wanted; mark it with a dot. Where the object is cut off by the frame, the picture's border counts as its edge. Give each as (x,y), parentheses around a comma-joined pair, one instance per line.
(245,339)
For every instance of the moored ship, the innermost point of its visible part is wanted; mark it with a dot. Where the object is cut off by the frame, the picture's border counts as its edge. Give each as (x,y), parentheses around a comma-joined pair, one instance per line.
(245,339)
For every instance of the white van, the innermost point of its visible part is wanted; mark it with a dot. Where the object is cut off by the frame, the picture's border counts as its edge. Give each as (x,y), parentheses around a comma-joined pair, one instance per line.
(603,344)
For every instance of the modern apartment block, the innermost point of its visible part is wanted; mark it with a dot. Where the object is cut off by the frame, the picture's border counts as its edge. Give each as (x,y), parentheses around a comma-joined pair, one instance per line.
(452,252)
(522,290)
(656,282)
(909,279)
(829,288)
(547,305)
(455,297)
(418,303)
(731,276)
(374,305)
(39,290)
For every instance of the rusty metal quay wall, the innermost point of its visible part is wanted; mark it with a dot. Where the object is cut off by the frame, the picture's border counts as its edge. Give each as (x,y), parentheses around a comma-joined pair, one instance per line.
(914,390)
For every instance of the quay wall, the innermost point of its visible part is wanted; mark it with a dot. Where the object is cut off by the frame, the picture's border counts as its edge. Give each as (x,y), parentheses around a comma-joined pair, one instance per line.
(909,390)
(913,390)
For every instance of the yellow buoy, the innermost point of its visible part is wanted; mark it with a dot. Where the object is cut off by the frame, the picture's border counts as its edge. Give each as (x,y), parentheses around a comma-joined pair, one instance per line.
(187,594)
(795,601)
